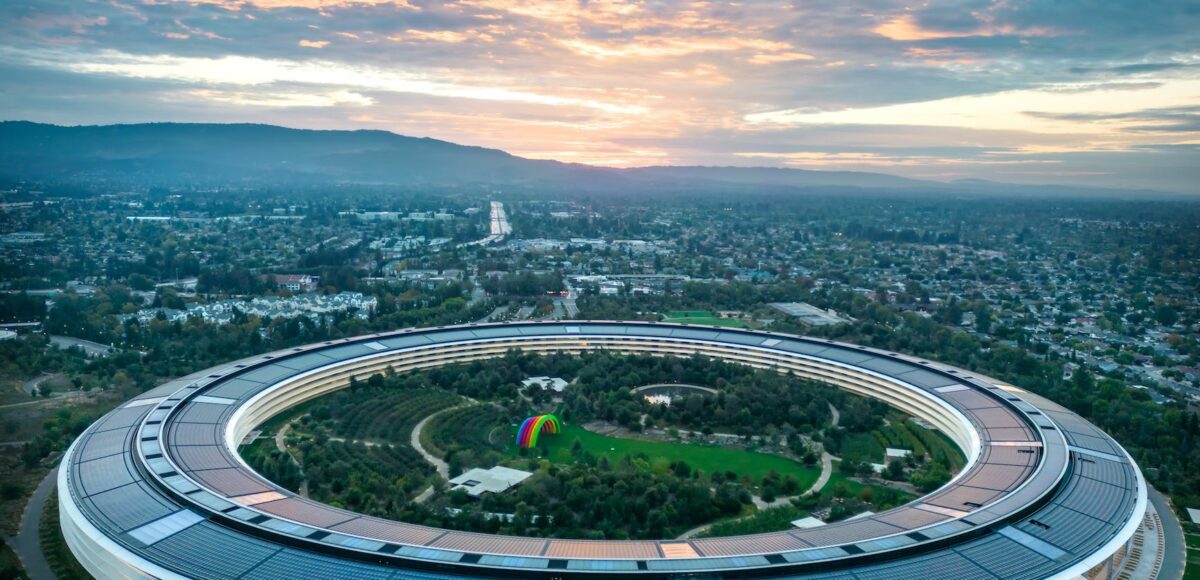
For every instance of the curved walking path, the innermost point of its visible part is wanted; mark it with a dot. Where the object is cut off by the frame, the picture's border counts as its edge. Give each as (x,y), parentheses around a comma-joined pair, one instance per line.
(826,472)
(443,469)
(281,444)
(27,543)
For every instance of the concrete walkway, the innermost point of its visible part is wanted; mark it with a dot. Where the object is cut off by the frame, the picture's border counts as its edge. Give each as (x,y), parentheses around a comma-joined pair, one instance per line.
(27,543)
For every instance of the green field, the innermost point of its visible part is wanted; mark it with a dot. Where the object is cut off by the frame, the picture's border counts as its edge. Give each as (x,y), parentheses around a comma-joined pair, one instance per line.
(702,317)
(705,458)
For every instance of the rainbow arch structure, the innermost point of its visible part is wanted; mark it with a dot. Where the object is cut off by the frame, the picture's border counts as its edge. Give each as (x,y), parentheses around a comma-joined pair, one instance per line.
(527,435)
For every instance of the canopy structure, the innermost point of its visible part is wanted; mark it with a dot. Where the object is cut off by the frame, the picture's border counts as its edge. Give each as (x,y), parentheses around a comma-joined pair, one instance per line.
(527,435)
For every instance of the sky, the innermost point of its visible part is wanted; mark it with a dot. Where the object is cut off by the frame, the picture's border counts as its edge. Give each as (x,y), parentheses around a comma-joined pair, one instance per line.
(1074,92)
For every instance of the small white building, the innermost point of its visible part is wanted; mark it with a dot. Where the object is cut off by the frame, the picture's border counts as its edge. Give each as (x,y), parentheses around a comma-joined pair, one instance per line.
(892,454)
(479,481)
(552,383)
(1194,514)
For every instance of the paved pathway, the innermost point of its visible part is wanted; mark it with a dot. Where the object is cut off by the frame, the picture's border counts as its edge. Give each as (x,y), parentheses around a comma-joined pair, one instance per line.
(31,384)
(442,467)
(1175,552)
(826,472)
(89,347)
(27,543)
(281,444)
(837,417)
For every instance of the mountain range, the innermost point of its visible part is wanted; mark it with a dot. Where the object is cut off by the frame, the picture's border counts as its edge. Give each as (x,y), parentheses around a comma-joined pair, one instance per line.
(170,154)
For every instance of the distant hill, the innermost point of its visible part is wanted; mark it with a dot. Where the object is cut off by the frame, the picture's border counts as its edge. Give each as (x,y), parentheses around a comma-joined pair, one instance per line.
(220,154)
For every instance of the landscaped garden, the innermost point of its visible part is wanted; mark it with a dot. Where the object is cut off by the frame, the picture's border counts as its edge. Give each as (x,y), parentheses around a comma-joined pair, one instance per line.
(615,465)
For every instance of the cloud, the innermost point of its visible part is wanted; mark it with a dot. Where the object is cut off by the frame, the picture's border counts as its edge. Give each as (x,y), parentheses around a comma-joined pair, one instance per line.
(1134,69)
(244,71)
(907,87)
(778,57)
(1008,110)
(906,28)
(310,4)
(282,99)
(448,36)
(1169,119)
(669,47)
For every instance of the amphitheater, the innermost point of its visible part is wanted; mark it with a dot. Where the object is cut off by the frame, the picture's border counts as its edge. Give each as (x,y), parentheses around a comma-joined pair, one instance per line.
(156,488)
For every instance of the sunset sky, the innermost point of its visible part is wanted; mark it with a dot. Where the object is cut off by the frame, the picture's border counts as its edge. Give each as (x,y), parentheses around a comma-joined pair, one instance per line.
(1056,91)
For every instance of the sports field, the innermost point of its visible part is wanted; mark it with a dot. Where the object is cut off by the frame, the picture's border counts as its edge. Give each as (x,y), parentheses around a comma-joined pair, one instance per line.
(705,458)
(702,317)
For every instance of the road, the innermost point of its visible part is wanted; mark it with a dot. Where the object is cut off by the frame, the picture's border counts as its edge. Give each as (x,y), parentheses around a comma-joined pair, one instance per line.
(477,293)
(1175,554)
(559,312)
(27,543)
(89,347)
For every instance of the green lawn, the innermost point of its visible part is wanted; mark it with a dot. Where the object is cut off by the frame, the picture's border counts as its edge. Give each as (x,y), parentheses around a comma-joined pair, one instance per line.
(705,458)
(1193,540)
(702,317)
(711,321)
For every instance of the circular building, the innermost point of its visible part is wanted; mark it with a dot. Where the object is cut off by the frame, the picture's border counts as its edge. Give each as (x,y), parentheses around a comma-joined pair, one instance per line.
(156,488)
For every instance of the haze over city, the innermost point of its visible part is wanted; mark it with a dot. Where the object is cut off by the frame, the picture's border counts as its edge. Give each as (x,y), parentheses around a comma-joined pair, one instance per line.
(1077,93)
